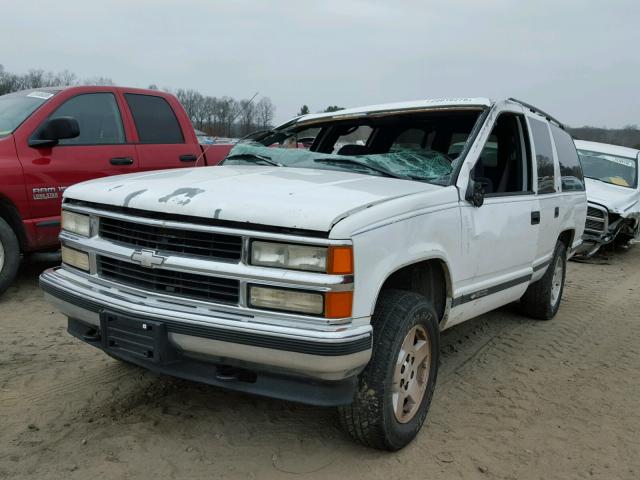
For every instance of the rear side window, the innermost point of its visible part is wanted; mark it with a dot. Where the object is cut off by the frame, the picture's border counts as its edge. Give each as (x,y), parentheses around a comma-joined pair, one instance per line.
(570,168)
(154,118)
(98,117)
(544,156)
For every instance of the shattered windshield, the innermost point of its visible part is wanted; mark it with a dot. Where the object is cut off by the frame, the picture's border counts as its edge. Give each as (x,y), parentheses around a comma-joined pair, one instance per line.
(425,147)
(15,108)
(613,169)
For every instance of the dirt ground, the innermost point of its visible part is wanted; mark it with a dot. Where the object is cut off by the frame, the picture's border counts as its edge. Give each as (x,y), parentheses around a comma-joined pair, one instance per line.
(516,399)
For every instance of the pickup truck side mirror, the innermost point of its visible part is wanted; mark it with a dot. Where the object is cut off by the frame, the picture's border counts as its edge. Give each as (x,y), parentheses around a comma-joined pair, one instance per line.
(54,130)
(475,193)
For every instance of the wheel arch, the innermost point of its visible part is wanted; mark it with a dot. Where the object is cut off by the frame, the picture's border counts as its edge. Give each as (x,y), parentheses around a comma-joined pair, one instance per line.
(567,237)
(430,276)
(9,213)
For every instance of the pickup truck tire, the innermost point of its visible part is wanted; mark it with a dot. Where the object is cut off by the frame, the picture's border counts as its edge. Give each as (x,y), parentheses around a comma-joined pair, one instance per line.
(406,341)
(542,299)
(9,256)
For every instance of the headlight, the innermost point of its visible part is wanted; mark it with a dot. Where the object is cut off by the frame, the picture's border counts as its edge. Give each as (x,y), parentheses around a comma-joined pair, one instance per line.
(284,299)
(294,257)
(333,259)
(75,258)
(76,223)
(329,305)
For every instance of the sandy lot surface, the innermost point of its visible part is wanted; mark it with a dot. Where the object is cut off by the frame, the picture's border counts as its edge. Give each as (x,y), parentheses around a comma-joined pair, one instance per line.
(516,399)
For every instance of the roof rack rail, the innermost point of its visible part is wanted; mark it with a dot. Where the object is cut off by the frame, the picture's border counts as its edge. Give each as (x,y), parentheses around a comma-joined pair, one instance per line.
(538,111)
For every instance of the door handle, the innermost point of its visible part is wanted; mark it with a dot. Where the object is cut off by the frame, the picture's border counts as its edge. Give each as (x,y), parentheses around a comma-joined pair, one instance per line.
(556,212)
(535,218)
(188,158)
(121,161)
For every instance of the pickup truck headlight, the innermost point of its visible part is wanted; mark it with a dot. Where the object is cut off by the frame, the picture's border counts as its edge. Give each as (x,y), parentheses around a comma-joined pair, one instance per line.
(76,223)
(333,259)
(75,258)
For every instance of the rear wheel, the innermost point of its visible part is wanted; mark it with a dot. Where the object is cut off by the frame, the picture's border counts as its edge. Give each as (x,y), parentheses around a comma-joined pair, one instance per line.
(395,389)
(9,256)
(542,299)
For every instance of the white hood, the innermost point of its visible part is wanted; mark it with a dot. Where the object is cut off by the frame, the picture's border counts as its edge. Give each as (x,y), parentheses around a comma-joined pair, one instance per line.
(285,197)
(624,201)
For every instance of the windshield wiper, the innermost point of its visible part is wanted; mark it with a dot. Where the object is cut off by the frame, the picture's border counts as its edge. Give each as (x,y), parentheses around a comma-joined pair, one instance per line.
(349,161)
(253,157)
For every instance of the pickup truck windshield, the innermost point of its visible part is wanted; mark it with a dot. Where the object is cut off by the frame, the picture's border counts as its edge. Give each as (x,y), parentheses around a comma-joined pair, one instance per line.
(15,108)
(622,171)
(423,146)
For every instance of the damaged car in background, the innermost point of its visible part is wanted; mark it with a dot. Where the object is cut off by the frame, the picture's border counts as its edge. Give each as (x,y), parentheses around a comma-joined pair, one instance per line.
(611,177)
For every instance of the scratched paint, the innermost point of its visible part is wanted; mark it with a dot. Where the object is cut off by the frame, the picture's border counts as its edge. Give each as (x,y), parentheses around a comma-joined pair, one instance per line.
(131,196)
(181,196)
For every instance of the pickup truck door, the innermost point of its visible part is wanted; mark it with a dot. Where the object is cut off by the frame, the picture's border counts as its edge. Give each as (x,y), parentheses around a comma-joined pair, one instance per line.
(165,137)
(101,149)
(500,237)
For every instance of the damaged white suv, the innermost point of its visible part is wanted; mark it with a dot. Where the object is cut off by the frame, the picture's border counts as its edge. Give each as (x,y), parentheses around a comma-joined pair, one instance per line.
(613,193)
(325,274)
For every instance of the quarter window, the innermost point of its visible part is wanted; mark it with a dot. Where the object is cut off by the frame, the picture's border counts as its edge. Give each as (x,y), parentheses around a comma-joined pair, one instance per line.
(570,168)
(98,117)
(154,118)
(544,156)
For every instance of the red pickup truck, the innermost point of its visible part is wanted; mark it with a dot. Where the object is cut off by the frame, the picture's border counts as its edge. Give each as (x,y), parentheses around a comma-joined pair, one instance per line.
(54,137)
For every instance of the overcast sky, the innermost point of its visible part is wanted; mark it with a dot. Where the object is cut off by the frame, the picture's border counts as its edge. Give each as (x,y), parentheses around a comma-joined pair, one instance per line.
(577,59)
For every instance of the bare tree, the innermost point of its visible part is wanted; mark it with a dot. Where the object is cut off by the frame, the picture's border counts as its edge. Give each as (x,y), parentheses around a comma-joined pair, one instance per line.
(247,116)
(265,112)
(97,81)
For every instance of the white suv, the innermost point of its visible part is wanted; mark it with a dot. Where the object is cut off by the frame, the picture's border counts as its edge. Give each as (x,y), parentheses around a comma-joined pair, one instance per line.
(325,273)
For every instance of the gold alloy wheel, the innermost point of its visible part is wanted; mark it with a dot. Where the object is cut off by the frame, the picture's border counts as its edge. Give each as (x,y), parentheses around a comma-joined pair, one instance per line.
(411,374)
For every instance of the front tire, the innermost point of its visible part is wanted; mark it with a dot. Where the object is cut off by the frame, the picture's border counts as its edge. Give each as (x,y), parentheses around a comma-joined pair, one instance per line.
(9,256)
(542,299)
(395,389)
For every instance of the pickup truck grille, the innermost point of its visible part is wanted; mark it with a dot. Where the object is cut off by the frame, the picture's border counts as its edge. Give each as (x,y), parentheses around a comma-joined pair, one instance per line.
(170,282)
(188,242)
(597,219)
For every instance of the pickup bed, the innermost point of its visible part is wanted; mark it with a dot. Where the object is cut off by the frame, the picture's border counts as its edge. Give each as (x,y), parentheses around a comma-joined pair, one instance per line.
(55,137)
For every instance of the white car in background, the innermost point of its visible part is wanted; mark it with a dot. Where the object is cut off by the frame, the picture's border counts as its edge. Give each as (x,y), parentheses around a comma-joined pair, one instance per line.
(611,177)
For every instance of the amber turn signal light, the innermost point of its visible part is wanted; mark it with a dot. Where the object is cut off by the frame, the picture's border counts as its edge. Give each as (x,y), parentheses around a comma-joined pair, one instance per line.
(338,304)
(340,260)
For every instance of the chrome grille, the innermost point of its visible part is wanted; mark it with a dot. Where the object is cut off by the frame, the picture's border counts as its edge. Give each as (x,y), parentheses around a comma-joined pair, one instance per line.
(164,239)
(170,282)
(597,220)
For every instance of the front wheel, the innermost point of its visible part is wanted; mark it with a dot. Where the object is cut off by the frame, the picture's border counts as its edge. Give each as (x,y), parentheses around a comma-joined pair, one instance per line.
(542,299)
(395,389)
(9,256)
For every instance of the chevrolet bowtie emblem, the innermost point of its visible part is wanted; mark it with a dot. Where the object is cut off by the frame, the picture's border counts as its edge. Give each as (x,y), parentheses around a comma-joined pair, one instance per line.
(147,258)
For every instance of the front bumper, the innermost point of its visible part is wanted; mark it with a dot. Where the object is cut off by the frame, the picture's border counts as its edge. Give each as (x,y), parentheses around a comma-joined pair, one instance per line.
(300,364)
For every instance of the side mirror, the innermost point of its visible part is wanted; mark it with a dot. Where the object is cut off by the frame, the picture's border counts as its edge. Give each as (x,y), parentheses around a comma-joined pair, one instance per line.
(54,130)
(475,193)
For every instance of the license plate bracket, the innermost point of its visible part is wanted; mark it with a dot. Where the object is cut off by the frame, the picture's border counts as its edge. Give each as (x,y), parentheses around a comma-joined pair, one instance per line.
(128,336)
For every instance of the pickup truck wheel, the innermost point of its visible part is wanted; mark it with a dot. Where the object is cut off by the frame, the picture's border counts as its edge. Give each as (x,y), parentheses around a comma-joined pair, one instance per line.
(542,299)
(395,389)
(9,255)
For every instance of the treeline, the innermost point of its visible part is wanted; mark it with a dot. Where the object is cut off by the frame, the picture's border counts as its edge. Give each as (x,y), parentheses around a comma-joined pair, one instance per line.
(38,78)
(225,116)
(628,136)
(217,116)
